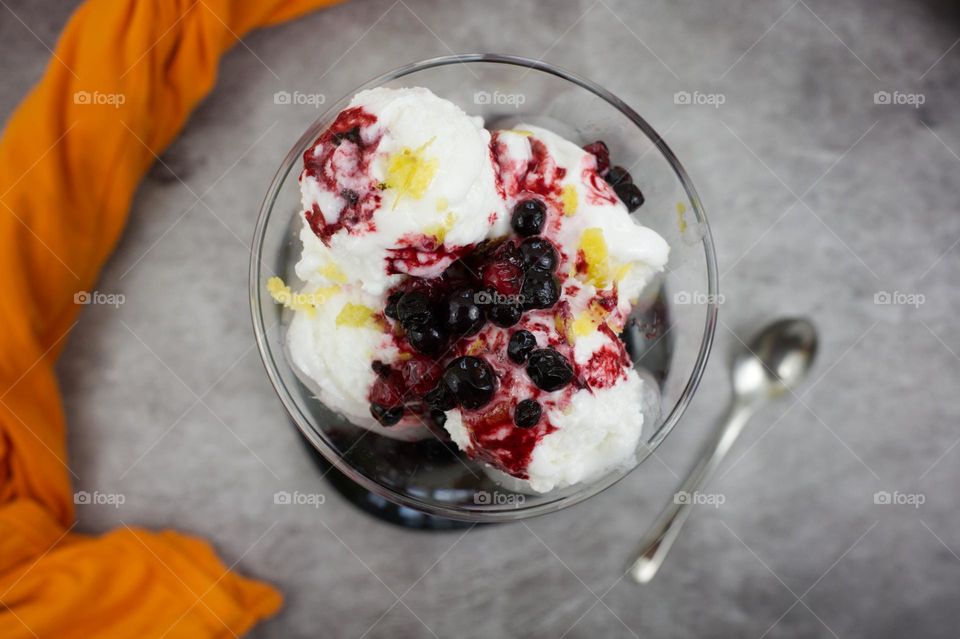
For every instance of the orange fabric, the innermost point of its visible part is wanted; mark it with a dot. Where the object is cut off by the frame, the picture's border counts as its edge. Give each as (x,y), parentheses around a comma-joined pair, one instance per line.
(70,159)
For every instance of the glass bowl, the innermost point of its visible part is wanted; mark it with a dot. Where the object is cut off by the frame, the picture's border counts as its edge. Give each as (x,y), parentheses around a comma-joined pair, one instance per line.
(669,338)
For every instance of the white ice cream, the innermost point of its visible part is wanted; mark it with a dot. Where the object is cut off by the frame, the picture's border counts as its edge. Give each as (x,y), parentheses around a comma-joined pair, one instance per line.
(598,428)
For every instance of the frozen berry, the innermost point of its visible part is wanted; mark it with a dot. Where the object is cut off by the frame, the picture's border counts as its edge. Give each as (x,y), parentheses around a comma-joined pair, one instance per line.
(618,175)
(527,413)
(427,338)
(538,254)
(521,345)
(419,375)
(505,315)
(438,417)
(388,388)
(440,398)
(540,290)
(471,380)
(602,153)
(414,309)
(528,217)
(391,308)
(387,416)
(503,277)
(464,316)
(630,195)
(549,369)
(351,196)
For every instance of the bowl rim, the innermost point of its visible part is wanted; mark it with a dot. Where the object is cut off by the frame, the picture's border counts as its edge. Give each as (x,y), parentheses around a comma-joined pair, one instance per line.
(484,515)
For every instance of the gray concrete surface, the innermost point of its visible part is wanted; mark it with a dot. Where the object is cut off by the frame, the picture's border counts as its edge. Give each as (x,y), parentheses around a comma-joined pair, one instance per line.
(819,199)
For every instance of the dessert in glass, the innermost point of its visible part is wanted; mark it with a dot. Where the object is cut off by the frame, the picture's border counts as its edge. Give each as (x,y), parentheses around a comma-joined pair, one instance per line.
(483,299)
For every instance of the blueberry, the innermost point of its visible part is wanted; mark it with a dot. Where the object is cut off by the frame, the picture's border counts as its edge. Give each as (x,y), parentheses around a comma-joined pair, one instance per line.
(427,338)
(521,345)
(549,369)
(527,413)
(382,370)
(528,217)
(414,309)
(440,398)
(471,380)
(391,308)
(387,416)
(630,195)
(538,254)
(438,417)
(618,175)
(505,315)
(540,290)
(463,315)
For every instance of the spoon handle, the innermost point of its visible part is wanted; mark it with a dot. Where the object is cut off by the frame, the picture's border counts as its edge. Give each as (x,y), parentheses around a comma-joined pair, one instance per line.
(664,531)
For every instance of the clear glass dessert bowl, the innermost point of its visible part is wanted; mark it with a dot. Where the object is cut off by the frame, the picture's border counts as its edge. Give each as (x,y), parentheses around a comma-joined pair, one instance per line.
(669,335)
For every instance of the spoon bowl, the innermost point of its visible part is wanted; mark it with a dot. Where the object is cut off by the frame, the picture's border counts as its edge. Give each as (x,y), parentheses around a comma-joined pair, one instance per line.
(776,360)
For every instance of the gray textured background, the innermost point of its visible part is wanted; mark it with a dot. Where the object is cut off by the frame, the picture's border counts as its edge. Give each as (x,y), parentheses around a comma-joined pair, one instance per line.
(819,198)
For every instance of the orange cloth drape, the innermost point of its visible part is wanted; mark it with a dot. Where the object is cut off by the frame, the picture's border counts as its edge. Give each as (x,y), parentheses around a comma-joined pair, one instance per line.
(123,79)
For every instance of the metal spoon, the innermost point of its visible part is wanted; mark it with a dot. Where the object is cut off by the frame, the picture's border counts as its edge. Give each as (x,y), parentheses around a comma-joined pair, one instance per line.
(776,361)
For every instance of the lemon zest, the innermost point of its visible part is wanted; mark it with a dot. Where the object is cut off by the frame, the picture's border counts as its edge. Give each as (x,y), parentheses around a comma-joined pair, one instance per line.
(595,252)
(681,220)
(333,273)
(568,198)
(355,315)
(410,171)
(307,302)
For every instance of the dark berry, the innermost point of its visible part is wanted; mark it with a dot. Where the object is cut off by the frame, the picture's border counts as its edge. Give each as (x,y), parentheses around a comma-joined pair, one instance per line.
(505,315)
(538,254)
(618,175)
(540,290)
(463,315)
(440,398)
(419,375)
(520,346)
(527,413)
(391,308)
(630,195)
(438,417)
(387,388)
(352,135)
(528,217)
(471,380)
(414,309)
(428,339)
(350,196)
(549,369)
(503,277)
(387,416)
(602,153)
(382,370)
